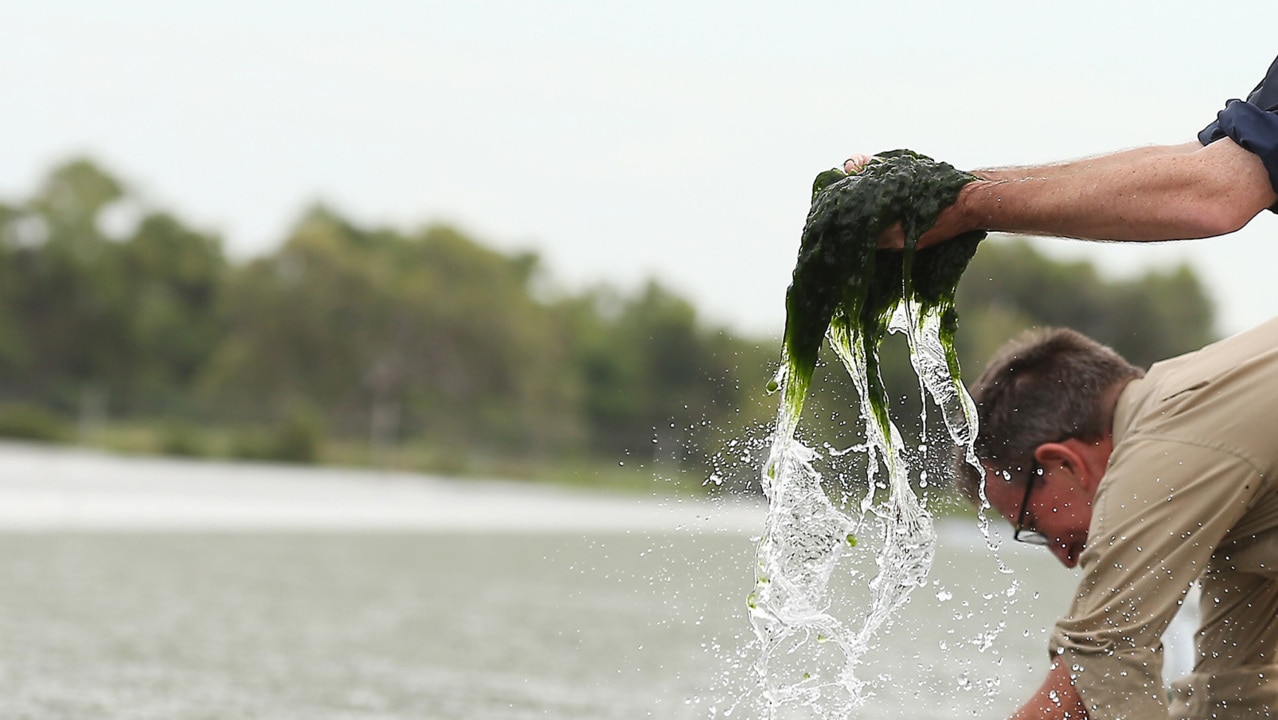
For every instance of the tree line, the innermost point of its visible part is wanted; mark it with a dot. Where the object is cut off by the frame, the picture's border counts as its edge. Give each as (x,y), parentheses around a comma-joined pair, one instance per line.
(387,339)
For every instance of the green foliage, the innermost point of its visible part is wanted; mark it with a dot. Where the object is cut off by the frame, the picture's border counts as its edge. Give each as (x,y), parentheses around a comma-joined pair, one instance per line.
(74,195)
(136,314)
(297,439)
(183,439)
(649,372)
(32,422)
(175,276)
(1011,286)
(431,324)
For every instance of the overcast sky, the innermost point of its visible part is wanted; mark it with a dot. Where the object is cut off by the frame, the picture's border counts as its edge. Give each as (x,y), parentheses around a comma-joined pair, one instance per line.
(675,140)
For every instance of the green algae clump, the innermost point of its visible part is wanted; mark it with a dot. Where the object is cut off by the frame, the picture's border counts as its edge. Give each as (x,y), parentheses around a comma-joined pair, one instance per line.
(842,283)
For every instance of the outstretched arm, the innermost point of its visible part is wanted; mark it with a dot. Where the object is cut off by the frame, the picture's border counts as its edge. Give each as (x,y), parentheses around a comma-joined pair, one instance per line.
(1095,163)
(1159,193)
(1211,191)
(1057,699)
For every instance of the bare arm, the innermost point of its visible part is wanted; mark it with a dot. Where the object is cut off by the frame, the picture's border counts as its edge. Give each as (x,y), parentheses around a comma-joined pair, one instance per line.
(1057,699)
(1212,191)
(1169,192)
(1089,164)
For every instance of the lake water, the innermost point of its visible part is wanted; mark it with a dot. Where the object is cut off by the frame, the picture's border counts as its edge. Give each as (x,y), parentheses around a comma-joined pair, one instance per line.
(136,588)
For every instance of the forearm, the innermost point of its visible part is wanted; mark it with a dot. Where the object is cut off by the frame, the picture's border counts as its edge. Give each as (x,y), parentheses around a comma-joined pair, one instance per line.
(1149,194)
(1090,164)
(1057,699)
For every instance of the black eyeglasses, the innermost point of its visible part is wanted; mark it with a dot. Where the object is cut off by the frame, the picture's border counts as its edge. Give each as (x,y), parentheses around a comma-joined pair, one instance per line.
(1019,533)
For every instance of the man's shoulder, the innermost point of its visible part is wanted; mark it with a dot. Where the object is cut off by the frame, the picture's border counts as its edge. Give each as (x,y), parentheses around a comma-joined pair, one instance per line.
(1257,343)
(1224,396)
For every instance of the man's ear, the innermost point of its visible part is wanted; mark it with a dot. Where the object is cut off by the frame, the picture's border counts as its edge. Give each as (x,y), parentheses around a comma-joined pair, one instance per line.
(1062,460)
(1082,463)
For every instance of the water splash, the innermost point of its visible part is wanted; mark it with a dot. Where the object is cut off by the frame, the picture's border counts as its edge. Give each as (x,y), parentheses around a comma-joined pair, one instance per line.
(854,296)
(809,659)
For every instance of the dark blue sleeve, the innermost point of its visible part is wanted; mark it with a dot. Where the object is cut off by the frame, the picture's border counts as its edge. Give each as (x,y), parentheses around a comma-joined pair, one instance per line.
(1255,130)
(1252,124)
(1264,96)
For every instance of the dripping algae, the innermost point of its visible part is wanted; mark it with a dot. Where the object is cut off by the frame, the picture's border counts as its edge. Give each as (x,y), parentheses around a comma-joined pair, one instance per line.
(842,282)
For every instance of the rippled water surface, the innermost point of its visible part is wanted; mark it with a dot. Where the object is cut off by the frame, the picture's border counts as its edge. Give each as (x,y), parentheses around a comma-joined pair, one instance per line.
(425,625)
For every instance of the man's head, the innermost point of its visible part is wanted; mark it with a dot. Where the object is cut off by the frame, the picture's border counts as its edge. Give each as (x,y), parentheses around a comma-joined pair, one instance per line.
(1045,408)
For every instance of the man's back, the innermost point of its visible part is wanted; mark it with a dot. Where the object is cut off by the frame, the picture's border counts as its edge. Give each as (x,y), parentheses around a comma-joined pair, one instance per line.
(1189,494)
(1224,396)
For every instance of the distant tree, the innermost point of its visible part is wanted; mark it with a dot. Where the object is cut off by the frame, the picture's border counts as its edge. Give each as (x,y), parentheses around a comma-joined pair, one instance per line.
(1010,286)
(72,197)
(15,351)
(176,276)
(495,361)
(431,330)
(650,372)
(88,315)
(73,300)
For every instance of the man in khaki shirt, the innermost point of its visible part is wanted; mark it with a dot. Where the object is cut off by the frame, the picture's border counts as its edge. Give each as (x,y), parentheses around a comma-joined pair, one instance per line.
(1149,483)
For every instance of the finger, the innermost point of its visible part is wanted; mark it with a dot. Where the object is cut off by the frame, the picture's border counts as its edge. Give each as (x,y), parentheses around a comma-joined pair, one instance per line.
(854,163)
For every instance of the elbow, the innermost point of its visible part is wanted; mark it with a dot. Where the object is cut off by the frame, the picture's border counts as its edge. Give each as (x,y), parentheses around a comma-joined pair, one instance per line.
(1217,218)
(1224,205)
(1225,187)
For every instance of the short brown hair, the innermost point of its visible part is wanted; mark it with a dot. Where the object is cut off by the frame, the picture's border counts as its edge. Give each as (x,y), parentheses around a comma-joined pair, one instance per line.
(1045,385)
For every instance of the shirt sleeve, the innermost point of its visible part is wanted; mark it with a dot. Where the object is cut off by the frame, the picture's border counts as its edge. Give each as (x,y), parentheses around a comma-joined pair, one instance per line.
(1252,124)
(1161,511)
(1263,96)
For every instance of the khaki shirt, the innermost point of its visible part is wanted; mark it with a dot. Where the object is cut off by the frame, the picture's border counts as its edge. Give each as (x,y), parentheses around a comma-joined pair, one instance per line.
(1190,493)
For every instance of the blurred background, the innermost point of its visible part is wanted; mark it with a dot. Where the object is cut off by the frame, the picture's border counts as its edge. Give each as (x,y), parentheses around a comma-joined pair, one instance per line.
(429,350)
(528,241)
(506,239)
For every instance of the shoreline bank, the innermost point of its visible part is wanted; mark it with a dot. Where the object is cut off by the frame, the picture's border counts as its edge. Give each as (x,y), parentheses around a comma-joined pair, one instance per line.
(51,488)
